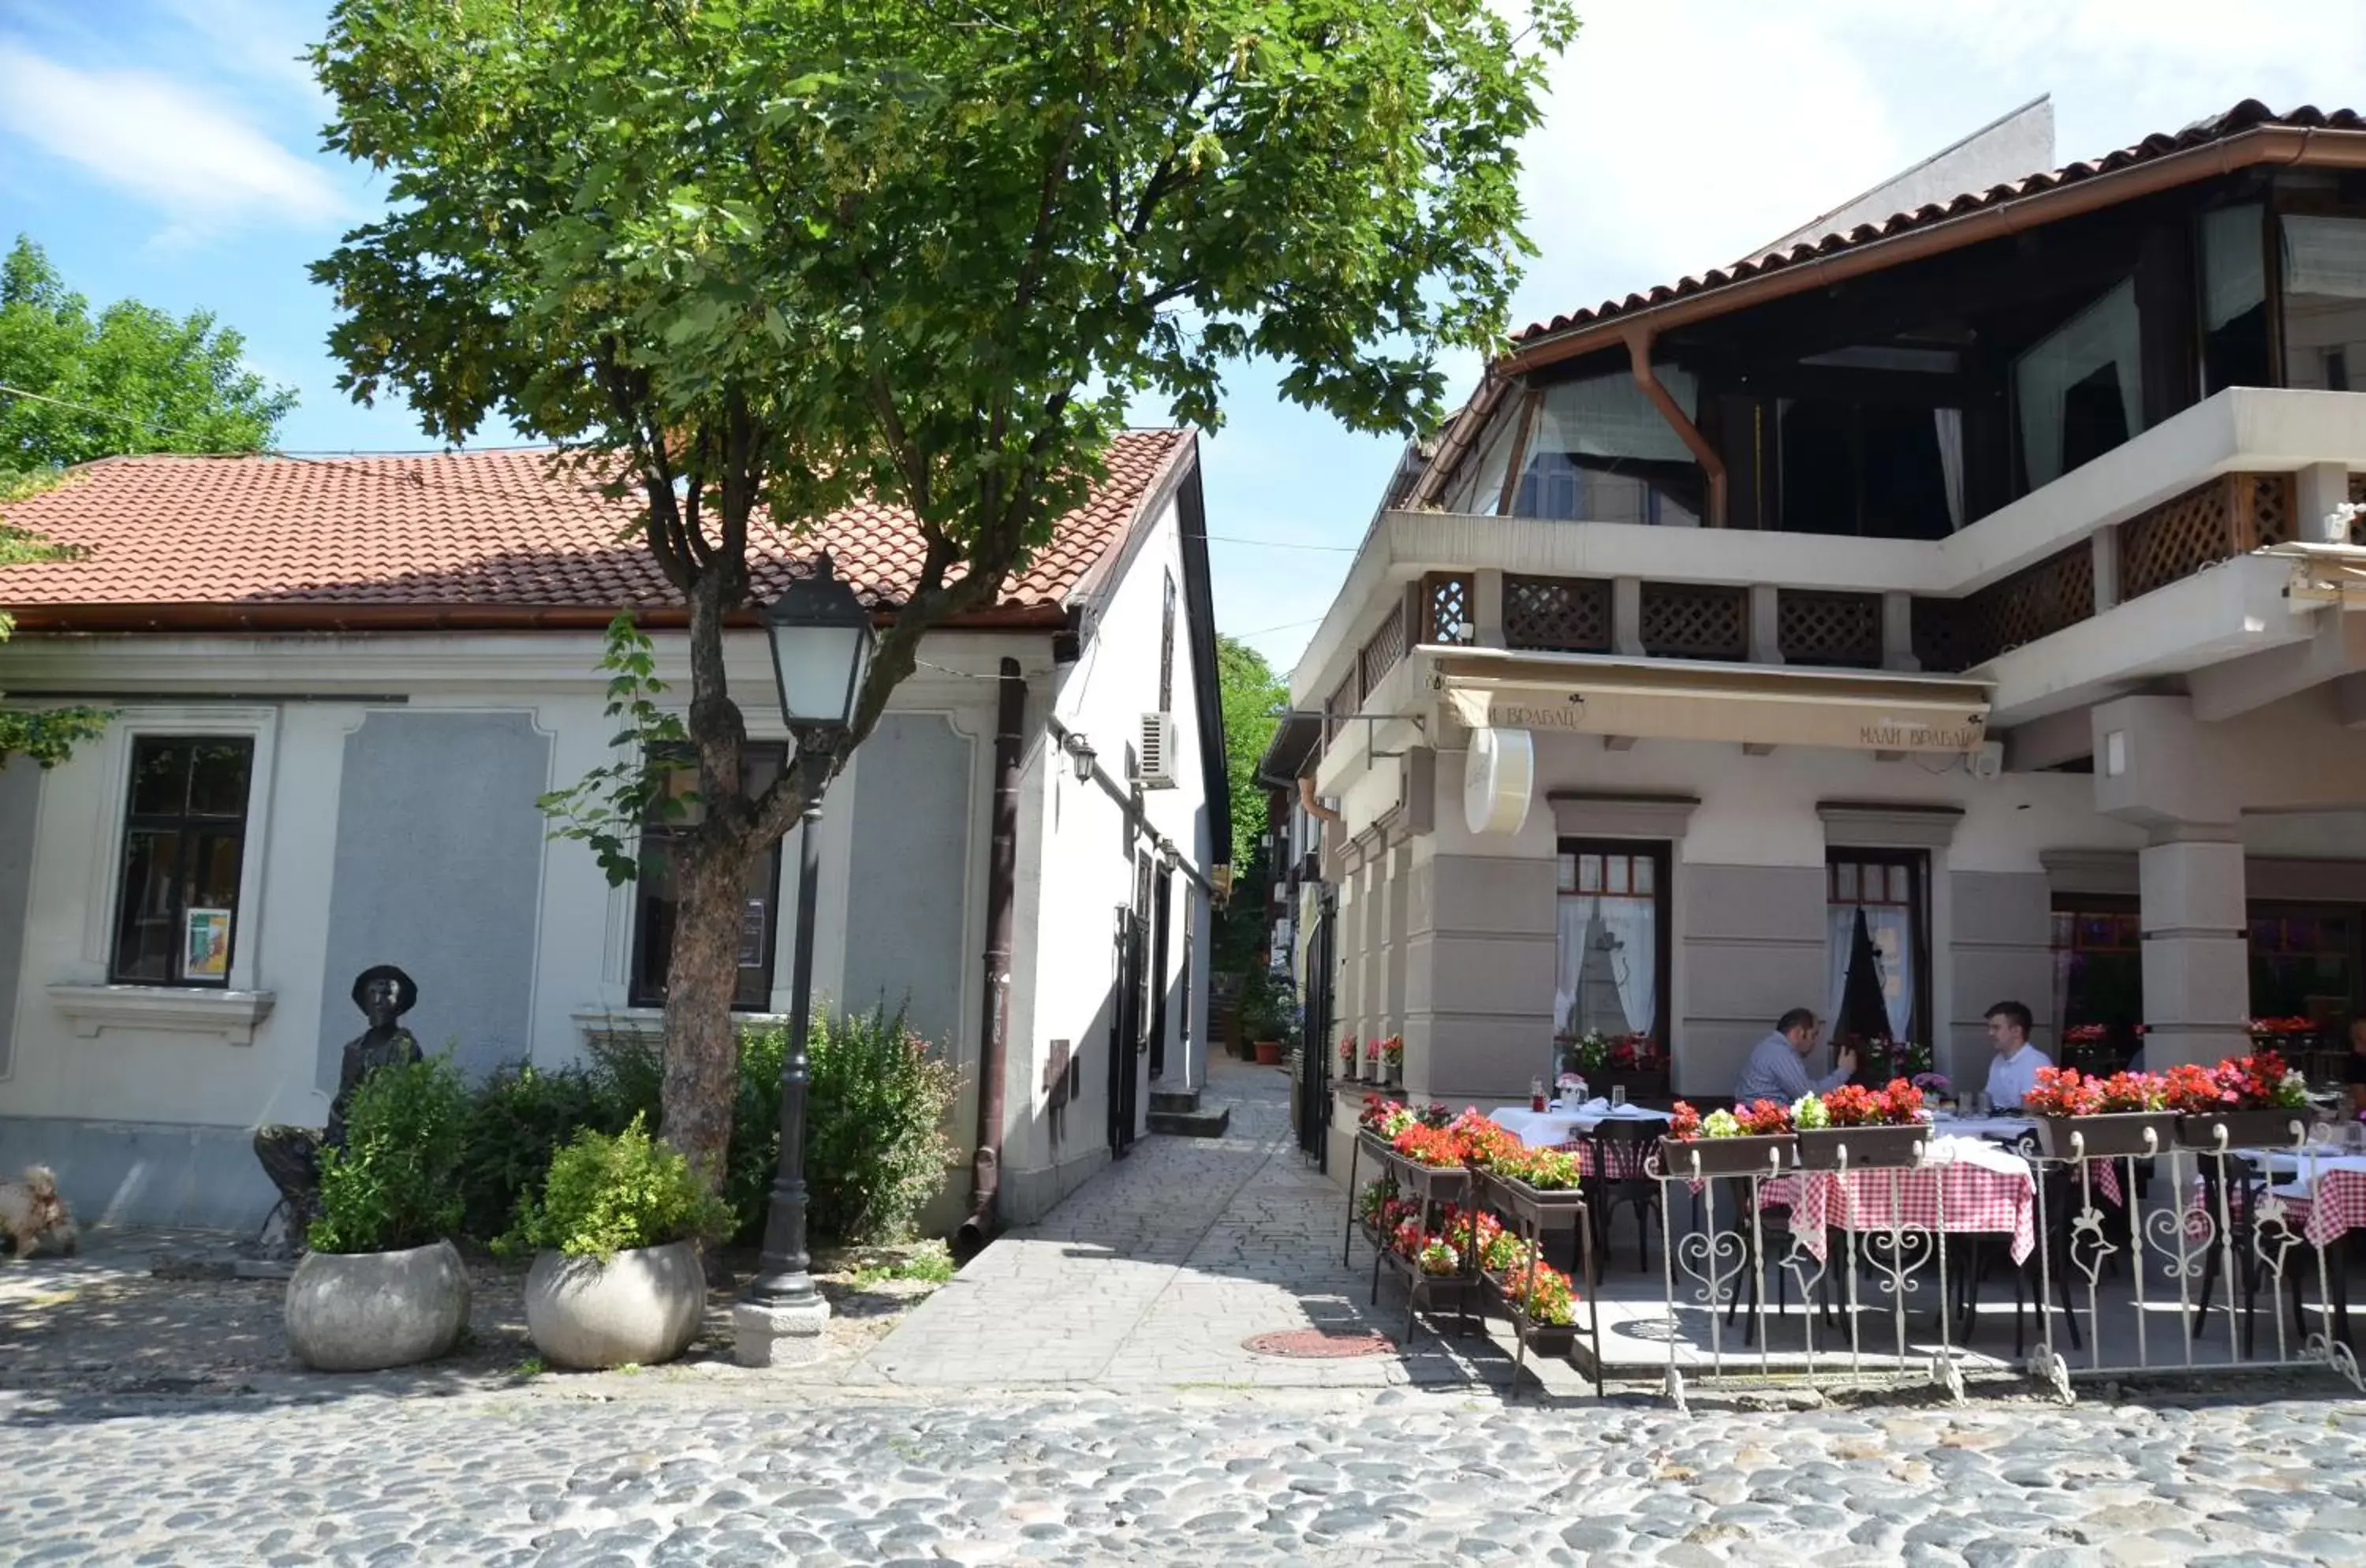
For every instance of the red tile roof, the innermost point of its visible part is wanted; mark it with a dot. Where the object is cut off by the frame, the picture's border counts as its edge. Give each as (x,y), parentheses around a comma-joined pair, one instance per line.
(455,539)
(2247,115)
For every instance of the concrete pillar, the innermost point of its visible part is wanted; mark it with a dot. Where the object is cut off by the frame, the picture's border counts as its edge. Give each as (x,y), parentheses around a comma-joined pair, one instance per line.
(1487,607)
(1481,951)
(1897,632)
(1399,860)
(1626,617)
(2106,557)
(2197,978)
(1765,624)
(2316,490)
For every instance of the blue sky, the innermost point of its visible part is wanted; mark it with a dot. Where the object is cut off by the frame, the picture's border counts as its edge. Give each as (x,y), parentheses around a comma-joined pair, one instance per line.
(169,149)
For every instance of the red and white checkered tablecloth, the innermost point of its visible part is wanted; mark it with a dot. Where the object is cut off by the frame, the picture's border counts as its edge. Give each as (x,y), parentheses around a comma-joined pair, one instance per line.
(1976,1198)
(2335,1205)
(1629,1158)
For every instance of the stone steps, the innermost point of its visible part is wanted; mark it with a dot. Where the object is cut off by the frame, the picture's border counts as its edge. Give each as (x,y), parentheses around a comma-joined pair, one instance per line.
(1191,1124)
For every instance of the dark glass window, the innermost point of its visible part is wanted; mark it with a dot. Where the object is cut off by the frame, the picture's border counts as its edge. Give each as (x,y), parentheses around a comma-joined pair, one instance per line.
(2235,299)
(1613,939)
(2325,300)
(184,843)
(1877,943)
(653,920)
(2098,980)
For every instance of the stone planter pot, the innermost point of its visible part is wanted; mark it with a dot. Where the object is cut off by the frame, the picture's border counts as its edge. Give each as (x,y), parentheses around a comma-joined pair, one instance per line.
(364,1312)
(1748,1155)
(1819,1147)
(2275,1129)
(2107,1136)
(1268,1053)
(639,1308)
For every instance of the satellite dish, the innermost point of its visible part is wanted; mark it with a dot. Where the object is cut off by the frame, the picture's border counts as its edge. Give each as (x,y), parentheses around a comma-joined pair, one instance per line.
(1499,777)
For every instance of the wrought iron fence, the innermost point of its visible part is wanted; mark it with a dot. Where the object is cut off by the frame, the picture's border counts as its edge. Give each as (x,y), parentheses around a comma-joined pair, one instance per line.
(2108,1242)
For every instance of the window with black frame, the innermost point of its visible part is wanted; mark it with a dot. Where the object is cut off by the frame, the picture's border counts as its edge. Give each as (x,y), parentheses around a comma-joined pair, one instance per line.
(670,818)
(184,848)
(1613,939)
(1876,943)
(2098,980)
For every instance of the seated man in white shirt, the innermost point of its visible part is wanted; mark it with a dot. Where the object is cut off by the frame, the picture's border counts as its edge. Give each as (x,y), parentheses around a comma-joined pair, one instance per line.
(2014,1072)
(1774,1070)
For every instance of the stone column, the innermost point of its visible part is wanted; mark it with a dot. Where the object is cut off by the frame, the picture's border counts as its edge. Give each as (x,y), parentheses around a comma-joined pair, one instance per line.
(1399,860)
(2197,979)
(1481,951)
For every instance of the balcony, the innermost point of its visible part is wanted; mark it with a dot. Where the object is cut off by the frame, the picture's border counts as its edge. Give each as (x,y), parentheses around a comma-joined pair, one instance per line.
(2141,562)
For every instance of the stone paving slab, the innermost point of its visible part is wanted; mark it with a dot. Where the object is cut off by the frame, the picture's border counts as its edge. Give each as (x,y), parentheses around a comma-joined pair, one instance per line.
(1153,1273)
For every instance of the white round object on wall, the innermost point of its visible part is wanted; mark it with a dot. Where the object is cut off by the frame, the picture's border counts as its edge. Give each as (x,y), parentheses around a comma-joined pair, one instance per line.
(1499,777)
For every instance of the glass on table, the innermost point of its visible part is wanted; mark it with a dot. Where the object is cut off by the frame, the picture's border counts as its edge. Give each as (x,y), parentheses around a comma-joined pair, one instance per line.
(1618,1097)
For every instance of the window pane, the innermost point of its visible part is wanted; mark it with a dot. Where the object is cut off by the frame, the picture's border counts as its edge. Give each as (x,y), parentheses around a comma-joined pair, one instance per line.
(218,778)
(145,938)
(1643,871)
(1567,877)
(160,778)
(1618,870)
(2235,299)
(1845,882)
(2080,391)
(1901,885)
(2324,303)
(1589,874)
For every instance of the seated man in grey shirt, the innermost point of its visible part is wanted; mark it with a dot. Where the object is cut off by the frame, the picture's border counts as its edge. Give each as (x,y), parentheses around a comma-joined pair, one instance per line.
(1774,1070)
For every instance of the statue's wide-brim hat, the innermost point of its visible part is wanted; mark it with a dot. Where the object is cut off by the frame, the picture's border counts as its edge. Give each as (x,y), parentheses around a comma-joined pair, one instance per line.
(406,989)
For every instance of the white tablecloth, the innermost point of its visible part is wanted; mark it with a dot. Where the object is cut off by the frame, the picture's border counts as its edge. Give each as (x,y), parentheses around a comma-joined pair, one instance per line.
(2005,1129)
(1551,1129)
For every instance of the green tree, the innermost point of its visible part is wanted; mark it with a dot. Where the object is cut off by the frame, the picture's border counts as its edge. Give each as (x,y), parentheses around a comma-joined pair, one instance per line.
(748,258)
(1252,697)
(132,378)
(74,387)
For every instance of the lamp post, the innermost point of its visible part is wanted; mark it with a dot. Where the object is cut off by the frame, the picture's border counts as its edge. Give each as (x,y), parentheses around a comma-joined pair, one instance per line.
(820,637)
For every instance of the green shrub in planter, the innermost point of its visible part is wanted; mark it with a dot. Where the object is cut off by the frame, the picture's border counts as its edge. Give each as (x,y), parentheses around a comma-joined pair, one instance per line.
(518,1119)
(395,1183)
(607,1194)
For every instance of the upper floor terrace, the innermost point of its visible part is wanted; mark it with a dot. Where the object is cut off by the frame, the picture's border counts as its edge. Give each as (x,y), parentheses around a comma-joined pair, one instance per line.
(2062,438)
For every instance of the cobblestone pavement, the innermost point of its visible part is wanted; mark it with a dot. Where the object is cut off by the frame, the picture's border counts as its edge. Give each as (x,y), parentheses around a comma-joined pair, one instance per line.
(1154,1271)
(1397,1476)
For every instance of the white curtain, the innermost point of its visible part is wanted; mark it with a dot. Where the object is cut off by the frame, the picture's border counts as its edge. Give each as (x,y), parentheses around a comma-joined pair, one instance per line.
(1893,939)
(2105,334)
(1611,940)
(1950,425)
(2233,270)
(1840,939)
(1608,416)
(2325,256)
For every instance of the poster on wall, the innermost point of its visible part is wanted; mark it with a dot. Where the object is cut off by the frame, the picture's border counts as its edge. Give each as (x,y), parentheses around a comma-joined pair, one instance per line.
(751,935)
(206,952)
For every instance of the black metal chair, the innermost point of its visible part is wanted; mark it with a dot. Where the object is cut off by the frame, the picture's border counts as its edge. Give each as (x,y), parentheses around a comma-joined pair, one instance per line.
(1618,1153)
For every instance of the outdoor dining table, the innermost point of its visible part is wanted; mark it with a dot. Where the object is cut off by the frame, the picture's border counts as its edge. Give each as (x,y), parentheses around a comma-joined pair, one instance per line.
(1551,1129)
(2329,1197)
(1964,1185)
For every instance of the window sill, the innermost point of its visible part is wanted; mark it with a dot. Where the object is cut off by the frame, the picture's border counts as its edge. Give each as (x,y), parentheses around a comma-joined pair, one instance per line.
(646,1026)
(176,1009)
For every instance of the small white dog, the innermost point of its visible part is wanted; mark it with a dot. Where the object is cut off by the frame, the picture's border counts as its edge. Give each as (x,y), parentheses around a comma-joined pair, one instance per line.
(34,1218)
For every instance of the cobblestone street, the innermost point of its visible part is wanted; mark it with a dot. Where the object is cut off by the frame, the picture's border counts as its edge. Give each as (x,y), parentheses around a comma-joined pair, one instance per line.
(1164,1439)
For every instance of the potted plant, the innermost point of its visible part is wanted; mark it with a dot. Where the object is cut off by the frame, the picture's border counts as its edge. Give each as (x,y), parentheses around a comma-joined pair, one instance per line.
(1751,1140)
(2095,1118)
(1346,1059)
(1393,1060)
(382,1285)
(1635,1063)
(2244,1102)
(616,1279)
(1855,1126)
(1372,1060)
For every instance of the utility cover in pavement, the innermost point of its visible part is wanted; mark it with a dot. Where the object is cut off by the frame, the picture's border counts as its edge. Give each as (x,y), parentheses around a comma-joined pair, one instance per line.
(1316,1345)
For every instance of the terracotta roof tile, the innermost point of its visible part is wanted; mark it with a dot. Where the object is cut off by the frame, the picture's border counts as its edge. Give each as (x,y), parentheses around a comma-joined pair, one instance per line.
(456,532)
(2248,115)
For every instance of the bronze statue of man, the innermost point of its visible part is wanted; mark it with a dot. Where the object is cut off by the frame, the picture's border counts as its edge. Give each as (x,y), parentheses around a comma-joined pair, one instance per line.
(291,1155)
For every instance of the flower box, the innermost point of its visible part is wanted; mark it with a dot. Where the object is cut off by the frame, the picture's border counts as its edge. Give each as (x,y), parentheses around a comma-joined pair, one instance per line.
(1542,1208)
(1819,1147)
(2268,1128)
(1431,1183)
(2108,1135)
(1746,1155)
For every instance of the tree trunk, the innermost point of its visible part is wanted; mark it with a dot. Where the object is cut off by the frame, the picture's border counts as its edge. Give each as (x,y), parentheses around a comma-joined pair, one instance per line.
(702,1051)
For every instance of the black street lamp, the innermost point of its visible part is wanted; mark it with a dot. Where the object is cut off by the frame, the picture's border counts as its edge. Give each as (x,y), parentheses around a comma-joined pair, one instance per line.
(820,636)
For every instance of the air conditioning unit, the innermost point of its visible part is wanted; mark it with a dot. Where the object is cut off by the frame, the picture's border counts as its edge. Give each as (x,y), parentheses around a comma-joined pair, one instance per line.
(1153,760)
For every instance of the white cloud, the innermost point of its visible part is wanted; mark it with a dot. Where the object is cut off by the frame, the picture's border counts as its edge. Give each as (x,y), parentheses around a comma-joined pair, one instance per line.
(196,161)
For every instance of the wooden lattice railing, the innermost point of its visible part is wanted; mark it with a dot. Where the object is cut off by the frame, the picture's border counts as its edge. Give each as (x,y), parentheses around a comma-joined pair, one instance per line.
(2231,515)
(1829,629)
(1448,607)
(1695,620)
(1557,614)
(1338,708)
(2034,601)
(1381,651)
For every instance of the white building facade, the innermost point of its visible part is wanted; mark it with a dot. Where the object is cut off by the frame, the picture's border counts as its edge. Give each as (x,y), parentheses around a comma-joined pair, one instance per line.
(1975,588)
(185,903)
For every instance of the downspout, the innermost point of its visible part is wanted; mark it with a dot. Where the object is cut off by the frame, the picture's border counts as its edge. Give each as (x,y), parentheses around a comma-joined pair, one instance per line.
(993,1033)
(1639,357)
